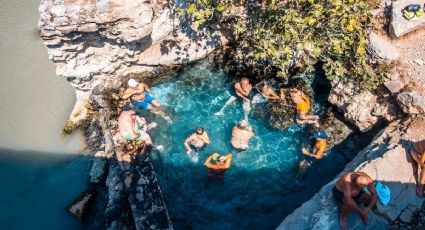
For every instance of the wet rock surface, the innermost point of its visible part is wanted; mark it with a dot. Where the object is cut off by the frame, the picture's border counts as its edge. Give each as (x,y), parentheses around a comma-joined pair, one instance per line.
(385,160)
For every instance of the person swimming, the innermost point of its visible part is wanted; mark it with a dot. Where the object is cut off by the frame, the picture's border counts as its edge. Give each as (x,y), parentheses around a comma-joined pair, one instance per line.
(266,91)
(219,167)
(141,97)
(317,151)
(197,140)
(303,106)
(134,128)
(241,134)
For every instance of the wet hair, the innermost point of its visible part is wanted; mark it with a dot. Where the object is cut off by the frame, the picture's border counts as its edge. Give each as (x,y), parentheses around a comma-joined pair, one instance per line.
(127,107)
(200,129)
(244,78)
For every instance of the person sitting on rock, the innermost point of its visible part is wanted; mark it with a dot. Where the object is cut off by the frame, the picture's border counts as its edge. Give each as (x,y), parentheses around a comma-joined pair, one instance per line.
(417,151)
(348,191)
(303,105)
(141,97)
(197,140)
(134,128)
(317,151)
(219,166)
(241,134)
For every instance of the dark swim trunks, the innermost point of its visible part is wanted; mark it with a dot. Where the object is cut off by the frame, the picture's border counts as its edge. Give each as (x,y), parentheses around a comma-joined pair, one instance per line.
(339,196)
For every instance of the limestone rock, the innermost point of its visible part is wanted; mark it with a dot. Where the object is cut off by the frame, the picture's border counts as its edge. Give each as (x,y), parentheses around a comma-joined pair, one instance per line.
(94,41)
(411,102)
(80,207)
(400,25)
(380,159)
(97,171)
(394,86)
(381,49)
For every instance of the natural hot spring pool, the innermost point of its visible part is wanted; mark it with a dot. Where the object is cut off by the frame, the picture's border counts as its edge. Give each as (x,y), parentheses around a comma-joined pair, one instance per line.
(264,183)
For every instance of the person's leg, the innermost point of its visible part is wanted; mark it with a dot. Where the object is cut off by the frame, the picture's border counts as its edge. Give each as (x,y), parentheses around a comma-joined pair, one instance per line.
(421,179)
(343,216)
(365,199)
(228,102)
(157,104)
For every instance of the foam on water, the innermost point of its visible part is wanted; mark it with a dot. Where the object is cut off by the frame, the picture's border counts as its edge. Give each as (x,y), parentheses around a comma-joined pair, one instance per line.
(263,184)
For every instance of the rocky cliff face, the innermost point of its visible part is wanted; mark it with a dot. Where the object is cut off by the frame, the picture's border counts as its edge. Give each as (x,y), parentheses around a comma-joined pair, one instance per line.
(95,41)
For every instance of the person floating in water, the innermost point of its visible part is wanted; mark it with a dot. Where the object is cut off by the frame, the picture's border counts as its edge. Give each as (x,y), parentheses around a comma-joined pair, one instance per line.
(266,92)
(196,140)
(245,91)
(140,97)
(348,192)
(318,149)
(417,151)
(241,134)
(134,128)
(219,166)
(303,106)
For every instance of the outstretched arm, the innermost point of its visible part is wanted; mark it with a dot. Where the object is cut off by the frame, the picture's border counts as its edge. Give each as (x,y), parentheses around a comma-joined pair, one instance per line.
(273,95)
(348,200)
(373,195)
(186,142)
(128,93)
(228,160)
(146,87)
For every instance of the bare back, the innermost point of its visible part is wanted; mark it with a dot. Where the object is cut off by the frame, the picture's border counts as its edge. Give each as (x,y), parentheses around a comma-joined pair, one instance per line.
(347,183)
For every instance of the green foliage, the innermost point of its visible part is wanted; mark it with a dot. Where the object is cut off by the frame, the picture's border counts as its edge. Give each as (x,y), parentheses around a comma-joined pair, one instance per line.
(280,32)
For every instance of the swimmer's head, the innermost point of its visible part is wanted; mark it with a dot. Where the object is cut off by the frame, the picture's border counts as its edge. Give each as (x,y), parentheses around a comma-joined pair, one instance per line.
(243,124)
(199,130)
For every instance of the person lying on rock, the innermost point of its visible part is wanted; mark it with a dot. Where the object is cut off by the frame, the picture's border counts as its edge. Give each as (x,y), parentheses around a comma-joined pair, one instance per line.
(303,105)
(241,134)
(134,128)
(317,151)
(267,92)
(349,192)
(417,151)
(141,97)
(219,166)
(197,140)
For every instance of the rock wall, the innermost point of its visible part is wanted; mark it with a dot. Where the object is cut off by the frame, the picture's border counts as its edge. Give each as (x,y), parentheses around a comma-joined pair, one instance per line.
(94,41)
(385,160)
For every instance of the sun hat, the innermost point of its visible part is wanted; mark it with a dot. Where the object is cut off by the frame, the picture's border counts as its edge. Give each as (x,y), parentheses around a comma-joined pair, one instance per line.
(384,193)
(320,134)
(132,82)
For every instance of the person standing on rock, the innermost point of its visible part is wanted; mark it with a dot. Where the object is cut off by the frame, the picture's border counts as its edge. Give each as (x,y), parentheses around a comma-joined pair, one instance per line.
(349,192)
(134,128)
(141,97)
(417,151)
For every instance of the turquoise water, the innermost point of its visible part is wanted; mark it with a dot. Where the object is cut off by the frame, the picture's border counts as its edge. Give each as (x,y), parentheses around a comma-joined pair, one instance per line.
(264,183)
(36,189)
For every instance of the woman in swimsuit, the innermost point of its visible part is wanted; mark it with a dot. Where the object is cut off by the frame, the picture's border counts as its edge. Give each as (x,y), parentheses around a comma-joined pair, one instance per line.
(303,106)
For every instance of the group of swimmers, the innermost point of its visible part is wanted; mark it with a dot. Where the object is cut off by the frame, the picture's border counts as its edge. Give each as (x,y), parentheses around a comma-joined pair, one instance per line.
(348,190)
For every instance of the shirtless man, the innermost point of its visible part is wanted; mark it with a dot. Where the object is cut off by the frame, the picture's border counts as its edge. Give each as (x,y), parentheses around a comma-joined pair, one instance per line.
(318,149)
(241,134)
(417,151)
(243,90)
(134,128)
(303,106)
(219,167)
(196,140)
(349,192)
(140,97)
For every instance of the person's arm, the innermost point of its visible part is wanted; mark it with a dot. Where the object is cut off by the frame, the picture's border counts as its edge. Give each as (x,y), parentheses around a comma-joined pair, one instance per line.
(206,139)
(186,143)
(228,160)
(318,151)
(273,94)
(373,196)
(146,88)
(282,93)
(240,92)
(128,93)
(348,199)
(208,162)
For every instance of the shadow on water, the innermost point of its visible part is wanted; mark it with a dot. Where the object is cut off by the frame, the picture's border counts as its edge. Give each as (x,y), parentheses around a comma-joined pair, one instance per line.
(37,187)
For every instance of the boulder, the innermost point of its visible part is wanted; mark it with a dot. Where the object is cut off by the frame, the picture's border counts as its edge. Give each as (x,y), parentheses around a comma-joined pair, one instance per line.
(380,49)
(411,102)
(81,206)
(385,160)
(399,24)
